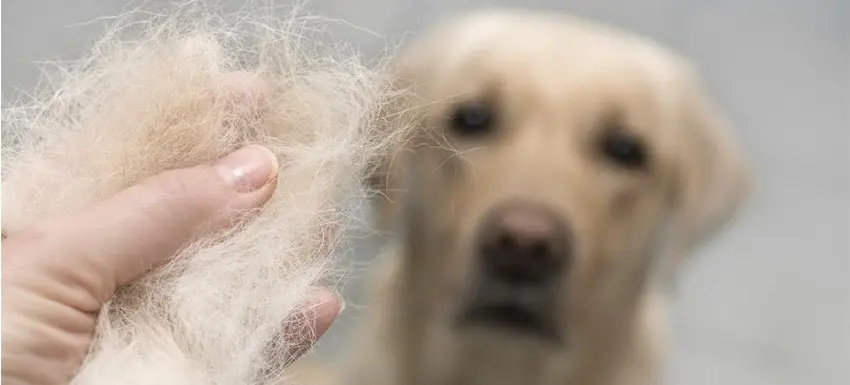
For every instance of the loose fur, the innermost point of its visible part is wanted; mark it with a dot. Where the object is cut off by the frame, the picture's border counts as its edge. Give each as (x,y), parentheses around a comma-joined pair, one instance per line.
(177,87)
(547,91)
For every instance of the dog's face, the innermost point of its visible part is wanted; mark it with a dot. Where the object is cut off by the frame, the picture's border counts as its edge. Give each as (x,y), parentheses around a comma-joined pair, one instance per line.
(552,154)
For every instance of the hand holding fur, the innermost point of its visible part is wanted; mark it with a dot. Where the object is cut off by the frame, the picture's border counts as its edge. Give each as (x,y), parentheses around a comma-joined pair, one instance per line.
(59,273)
(156,95)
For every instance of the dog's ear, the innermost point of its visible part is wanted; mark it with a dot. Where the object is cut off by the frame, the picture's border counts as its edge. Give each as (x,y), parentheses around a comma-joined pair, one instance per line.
(716,179)
(388,181)
(414,70)
(388,177)
(713,178)
(384,177)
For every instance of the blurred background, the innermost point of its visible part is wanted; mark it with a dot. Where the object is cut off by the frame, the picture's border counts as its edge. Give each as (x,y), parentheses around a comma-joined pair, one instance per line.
(766,304)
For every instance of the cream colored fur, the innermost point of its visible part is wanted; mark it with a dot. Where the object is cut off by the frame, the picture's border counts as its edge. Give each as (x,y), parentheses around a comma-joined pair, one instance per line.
(176,87)
(555,81)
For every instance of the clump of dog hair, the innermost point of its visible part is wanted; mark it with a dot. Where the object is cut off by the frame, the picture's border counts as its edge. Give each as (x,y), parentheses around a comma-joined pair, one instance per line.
(158,93)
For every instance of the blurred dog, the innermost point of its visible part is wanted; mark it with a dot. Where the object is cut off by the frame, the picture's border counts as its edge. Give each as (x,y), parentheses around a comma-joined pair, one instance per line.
(561,169)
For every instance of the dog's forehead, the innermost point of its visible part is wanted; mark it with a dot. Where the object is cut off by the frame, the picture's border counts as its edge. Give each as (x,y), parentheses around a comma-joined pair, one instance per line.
(556,46)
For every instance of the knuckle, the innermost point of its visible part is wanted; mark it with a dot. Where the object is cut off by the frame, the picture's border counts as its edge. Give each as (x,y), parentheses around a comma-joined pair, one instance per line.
(173,183)
(39,238)
(38,233)
(182,184)
(190,189)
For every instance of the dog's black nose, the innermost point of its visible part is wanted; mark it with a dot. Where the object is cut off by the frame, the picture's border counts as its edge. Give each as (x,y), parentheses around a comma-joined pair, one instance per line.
(524,243)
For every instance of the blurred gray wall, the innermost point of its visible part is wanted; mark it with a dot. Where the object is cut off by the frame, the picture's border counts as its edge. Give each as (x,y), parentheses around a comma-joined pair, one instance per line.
(769,303)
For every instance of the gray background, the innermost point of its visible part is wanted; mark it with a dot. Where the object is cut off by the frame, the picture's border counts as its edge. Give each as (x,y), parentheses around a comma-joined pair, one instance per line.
(769,303)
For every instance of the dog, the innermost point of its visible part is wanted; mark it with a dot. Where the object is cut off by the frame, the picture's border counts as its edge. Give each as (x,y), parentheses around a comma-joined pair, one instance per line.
(561,170)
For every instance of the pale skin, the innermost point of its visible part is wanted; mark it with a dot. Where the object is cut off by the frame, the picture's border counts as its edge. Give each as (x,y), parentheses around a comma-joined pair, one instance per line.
(57,274)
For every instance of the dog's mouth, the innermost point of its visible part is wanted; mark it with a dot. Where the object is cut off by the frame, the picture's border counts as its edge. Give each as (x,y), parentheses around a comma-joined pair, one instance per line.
(515,310)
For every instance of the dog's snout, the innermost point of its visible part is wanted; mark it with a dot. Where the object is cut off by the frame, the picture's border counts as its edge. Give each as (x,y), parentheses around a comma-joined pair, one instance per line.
(524,242)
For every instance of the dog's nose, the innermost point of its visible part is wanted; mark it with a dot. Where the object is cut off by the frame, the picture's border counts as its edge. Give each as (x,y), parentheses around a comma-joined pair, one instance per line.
(524,243)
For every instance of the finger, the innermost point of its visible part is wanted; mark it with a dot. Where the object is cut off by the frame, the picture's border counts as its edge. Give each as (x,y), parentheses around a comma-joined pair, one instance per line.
(323,307)
(124,236)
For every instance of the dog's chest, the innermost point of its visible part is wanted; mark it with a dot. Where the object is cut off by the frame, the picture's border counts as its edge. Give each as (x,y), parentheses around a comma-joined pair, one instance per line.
(495,364)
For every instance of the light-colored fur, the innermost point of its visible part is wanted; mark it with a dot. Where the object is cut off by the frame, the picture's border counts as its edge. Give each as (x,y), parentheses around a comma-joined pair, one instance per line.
(555,81)
(178,87)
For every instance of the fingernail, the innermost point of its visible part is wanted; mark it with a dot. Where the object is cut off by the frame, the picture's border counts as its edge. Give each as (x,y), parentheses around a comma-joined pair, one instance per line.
(248,168)
(321,295)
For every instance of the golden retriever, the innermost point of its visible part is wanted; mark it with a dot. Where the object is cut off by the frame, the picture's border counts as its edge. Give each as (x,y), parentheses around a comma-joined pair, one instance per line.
(560,170)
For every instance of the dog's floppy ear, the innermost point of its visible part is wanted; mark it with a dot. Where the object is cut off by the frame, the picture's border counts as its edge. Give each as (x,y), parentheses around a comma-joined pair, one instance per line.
(388,178)
(713,178)
(414,69)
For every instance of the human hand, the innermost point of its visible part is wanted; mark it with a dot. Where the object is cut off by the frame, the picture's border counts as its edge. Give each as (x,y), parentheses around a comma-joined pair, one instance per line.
(57,274)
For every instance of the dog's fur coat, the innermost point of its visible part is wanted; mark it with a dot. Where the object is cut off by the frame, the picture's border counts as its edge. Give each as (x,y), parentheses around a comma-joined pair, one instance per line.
(553,84)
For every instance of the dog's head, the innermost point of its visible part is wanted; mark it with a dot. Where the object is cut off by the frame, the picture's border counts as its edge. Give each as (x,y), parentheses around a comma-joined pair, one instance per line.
(552,155)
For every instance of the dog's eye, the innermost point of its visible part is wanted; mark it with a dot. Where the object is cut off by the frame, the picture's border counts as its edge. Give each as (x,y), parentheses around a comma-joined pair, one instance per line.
(472,119)
(624,149)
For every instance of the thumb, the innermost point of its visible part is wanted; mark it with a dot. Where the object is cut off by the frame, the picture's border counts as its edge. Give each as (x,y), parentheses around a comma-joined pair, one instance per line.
(124,236)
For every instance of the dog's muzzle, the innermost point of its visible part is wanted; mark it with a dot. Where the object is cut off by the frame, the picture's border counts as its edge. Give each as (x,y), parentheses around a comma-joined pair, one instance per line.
(522,252)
